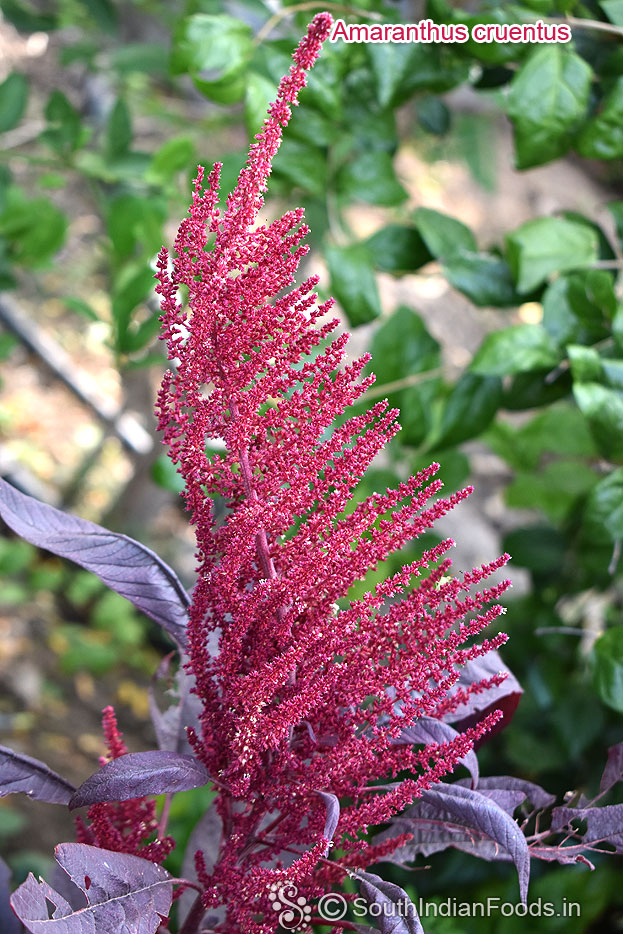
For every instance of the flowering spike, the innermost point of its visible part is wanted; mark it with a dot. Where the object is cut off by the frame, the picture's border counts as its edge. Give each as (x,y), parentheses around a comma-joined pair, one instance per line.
(304,693)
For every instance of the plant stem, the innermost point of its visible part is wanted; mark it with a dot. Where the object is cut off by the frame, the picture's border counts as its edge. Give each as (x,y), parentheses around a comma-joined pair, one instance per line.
(194,917)
(164,817)
(595,25)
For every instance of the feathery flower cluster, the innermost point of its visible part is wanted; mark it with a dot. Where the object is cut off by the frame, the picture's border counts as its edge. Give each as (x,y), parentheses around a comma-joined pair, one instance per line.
(123,826)
(303,694)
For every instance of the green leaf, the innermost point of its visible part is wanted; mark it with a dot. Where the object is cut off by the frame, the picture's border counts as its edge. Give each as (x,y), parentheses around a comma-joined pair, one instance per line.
(469,409)
(353,283)
(402,348)
(585,363)
(547,103)
(165,474)
(602,136)
(603,408)
(64,132)
(370,177)
(617,328)
(400,70)
(35,228)
(103,12)
(118,131)
(613,10)
(13,100)
(80,307)
(134,225)
(433,115)
(539,548)
(303,165)
(131,288)
(150,58)
(215,51)
(607,668)
(176,155)
(546,245)
(398,248)
(485,279)
(260,91)
(443,235)
(554,490)
(515,350)
(559,429)
(604,508)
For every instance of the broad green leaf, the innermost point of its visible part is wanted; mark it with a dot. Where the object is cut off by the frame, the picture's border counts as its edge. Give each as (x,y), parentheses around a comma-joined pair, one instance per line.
(353,282)
(586,366)
(214,50)
(176,155)
(401,70)
(259,93)
(613,10)
(118,131)
(433,115)
(559,429)
(303,165)
(35,229)
(607,667)
(485,279)
(603,408)
(150,58)
(454,467)
(398,248)
(132,287)
(604,508)
(539,548)
(134,224)
(443,235)
(546,245)
(64,132)
(547,103)
(602,136)
(516,349)
(103,12)
(534,389)
(402,347)
(13,100)
(469,409)
(555,489)
(558,318)
(370,177)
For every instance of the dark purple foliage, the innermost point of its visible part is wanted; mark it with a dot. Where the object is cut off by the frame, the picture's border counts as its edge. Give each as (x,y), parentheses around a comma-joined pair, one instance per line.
(603,825)
(496,786)
(9,924)
(613,771)
(125,895)
(452,815)
(170,724)
(397,913)
(205,837)
(126,566)
(32,777)
(141,773)
(333,814)
(504,697)
(427,730)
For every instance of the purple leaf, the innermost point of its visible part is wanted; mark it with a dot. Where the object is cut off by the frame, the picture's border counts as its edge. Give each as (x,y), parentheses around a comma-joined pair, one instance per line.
(22,773)
(170,724)
(602,824)
(141,773)
(518,789)
(9,923)
(427,730)
(333,815)
(206,836)
(452,815)
(613,771)
(125,894)
(505,697)
(126,566)
(396,913)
